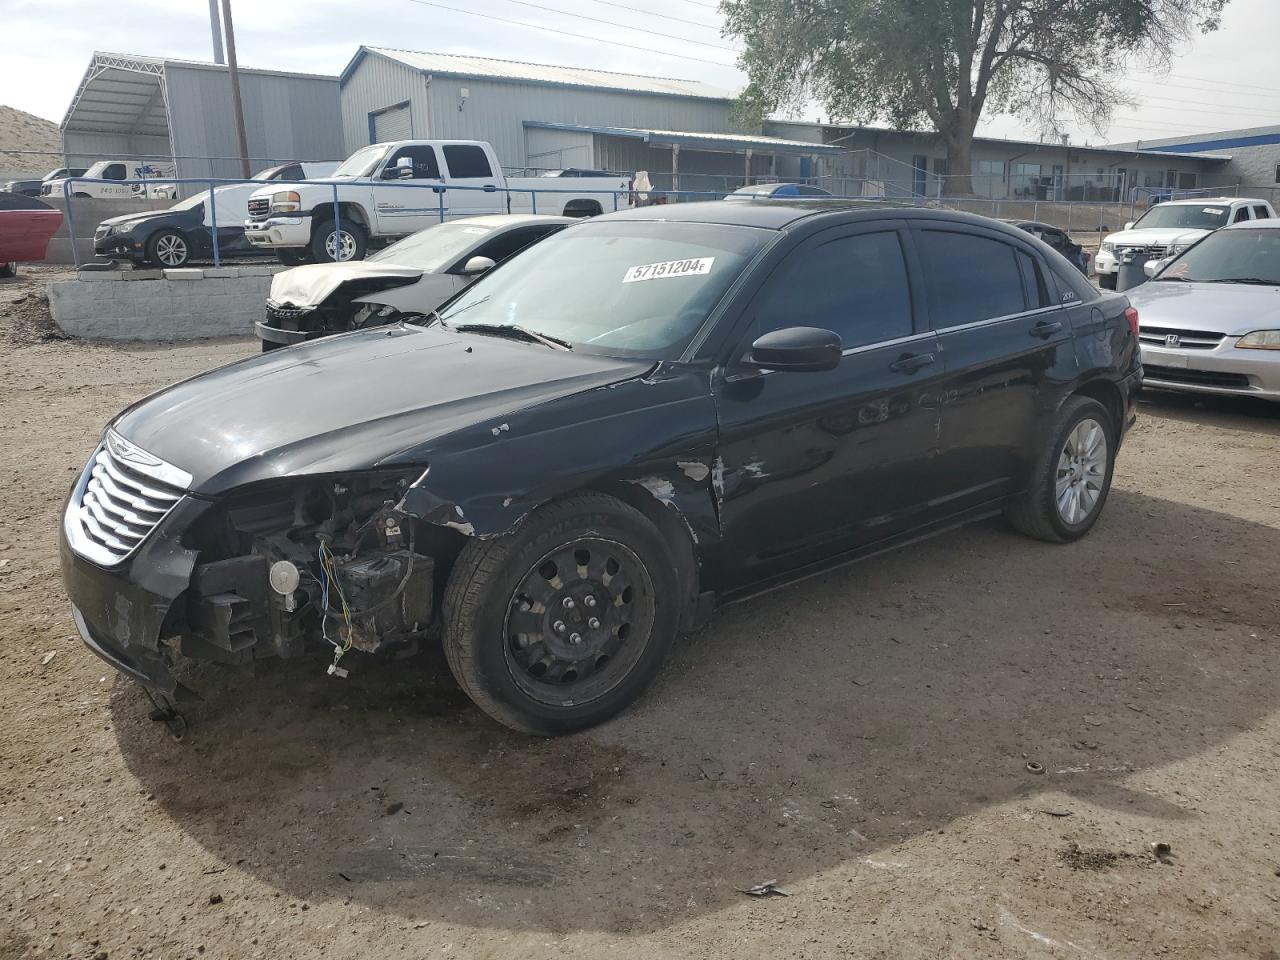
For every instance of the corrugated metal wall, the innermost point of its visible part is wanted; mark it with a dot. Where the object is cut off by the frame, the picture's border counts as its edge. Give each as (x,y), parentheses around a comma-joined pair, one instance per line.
(376,84)
(557,149)
(286,118)
(495,110)
(85,147)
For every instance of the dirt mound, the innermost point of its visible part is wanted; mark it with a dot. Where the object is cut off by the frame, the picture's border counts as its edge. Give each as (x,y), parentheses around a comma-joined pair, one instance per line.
(29,145)
(24,306)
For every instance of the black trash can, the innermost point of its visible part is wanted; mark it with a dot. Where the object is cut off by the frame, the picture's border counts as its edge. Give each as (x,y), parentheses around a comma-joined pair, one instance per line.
(1131,272)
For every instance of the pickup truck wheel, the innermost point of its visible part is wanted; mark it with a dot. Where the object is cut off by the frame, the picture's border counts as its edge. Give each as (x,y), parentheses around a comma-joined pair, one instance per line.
(563,623)
(168,248)
(329,245)
(1072,475)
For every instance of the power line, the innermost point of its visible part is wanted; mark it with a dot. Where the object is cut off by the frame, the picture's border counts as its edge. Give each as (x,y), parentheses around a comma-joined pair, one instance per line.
(610,23)
(567,33)
(1226,83)
(661,16)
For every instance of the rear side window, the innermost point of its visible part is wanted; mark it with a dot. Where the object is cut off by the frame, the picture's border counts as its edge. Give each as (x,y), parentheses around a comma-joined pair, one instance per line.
(1260,212)
(854,286)
(466,160)
(424,161)
(1035,291)
(970,278)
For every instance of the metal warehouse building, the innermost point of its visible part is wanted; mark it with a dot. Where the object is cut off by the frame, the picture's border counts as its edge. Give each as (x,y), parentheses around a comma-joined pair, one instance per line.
(148,108)
(1251,155)
(541,117)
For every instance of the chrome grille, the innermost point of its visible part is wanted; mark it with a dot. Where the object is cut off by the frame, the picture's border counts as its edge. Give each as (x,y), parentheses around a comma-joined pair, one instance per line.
(123,494)
(259,208)
(1143,250)
(1174,338)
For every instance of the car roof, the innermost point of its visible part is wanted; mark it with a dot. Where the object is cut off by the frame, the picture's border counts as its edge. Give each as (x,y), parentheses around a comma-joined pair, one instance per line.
(791,213)
(495,220)
(1023,224)
(1193,201)
(1267,223)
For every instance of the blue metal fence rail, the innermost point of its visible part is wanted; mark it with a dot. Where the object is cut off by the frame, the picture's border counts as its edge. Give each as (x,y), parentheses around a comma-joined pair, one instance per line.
(211,184)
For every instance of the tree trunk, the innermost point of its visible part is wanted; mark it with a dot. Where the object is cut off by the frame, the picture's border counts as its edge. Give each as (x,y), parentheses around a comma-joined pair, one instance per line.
(959,179)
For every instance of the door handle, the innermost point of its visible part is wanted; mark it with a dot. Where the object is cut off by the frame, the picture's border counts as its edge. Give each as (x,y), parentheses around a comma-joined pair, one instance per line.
(1046,328)
(911,362)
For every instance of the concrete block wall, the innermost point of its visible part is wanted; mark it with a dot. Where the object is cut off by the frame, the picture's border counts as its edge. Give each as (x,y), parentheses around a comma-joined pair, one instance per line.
(184,304)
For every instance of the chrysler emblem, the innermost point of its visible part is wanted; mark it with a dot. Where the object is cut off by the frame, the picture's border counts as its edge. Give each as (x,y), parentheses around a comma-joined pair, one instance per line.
(1172,340)
(124,450)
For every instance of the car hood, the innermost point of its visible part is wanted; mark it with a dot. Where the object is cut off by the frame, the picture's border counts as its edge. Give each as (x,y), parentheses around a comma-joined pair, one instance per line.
(130,218)
(1159,237)
(375,398)
(310,285)
(1230,308)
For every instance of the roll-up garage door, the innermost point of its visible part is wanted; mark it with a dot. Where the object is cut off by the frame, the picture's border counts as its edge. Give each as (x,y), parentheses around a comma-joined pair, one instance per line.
(393,123)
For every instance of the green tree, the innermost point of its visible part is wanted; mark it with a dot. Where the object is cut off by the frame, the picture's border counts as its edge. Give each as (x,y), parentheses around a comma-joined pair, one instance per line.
(944,62)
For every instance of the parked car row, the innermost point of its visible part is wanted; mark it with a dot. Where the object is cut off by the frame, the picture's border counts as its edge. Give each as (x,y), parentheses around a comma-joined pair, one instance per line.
(556,459)
(32,188)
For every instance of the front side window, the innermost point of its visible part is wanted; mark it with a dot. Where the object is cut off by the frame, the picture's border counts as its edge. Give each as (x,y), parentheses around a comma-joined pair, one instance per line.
(1241,256)
(466,160)
(969,277)
(855,287)
(1241,215)
(425,166)
(621,288)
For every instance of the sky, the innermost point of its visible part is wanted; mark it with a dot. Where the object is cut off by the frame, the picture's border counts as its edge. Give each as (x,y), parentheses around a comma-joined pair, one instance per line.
(1225,80)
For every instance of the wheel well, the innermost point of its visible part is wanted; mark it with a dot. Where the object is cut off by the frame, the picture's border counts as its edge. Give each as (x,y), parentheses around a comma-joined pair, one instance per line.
(674,531)
(1107,394)
(583,208)
(353,211)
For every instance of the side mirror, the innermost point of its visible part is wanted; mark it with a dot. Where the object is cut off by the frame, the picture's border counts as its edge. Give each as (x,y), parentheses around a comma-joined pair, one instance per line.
(402,169)
(1128,225)
(1152,267)
(477,265)
(797,349)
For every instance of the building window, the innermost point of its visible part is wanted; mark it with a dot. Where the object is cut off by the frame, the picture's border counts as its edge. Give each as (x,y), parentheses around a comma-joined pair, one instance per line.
(1278,173)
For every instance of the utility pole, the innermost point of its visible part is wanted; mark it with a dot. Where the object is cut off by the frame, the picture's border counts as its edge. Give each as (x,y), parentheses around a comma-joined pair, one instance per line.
(216,28)
(236,103)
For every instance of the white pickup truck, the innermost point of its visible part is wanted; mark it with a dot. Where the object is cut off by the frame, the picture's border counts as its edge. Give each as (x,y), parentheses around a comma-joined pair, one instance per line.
(117,170)
(1168,228)
(388,190)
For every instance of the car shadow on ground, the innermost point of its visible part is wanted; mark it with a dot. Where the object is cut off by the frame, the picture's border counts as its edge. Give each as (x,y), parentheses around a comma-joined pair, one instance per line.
(1238,413)
(811,727)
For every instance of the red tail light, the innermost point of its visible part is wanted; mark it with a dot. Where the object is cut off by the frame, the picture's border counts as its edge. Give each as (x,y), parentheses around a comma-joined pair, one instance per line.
(1131,315)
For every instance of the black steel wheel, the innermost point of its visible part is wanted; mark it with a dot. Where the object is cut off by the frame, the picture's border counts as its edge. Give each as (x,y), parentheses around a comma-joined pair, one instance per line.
(563,623)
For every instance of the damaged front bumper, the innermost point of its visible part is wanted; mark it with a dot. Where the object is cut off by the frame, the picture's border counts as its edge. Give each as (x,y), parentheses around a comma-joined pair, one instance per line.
(198,583)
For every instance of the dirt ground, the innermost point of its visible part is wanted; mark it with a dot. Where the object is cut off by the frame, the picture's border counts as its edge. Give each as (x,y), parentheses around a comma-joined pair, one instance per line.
(863,738)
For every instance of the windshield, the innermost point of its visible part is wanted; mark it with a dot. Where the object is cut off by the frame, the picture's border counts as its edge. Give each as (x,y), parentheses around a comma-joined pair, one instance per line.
(363,162)
(434,248)
(97,168)
(192,202)
(623,288)
(1183,215)
(270,172)
(1243,255)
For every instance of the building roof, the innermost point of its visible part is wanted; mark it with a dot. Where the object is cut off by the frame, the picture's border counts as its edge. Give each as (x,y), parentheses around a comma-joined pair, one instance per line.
(1220,140)
(712,142)
(461,65)
(1127,150)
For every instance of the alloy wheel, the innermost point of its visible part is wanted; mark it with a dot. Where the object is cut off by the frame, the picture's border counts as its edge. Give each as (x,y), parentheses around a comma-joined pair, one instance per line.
(1082,472)
(578,621)
(171,250)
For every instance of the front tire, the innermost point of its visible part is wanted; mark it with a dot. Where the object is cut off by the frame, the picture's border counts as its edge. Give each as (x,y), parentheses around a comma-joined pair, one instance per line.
(168,248)
(1071,477)
(563,623)
(330,245)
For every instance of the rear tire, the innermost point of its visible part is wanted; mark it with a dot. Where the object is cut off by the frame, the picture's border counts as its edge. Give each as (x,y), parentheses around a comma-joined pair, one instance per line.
(293,256)
(1107,281)
(1071,477)
(563,623)
(325,239)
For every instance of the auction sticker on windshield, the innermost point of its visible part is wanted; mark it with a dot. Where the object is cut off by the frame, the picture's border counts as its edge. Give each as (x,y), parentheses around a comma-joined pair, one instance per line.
(669,268)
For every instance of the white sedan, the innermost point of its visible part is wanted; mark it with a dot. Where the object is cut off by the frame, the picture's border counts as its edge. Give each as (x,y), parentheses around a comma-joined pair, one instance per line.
(1210,318)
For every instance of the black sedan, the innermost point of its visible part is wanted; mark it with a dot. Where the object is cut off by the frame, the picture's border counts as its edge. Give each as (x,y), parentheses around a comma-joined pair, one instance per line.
(173,237)
(1059,239)
(642,417)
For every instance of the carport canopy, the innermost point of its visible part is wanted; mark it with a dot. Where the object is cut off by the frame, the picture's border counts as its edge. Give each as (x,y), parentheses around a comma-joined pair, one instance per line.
(120,94)
(706,142)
